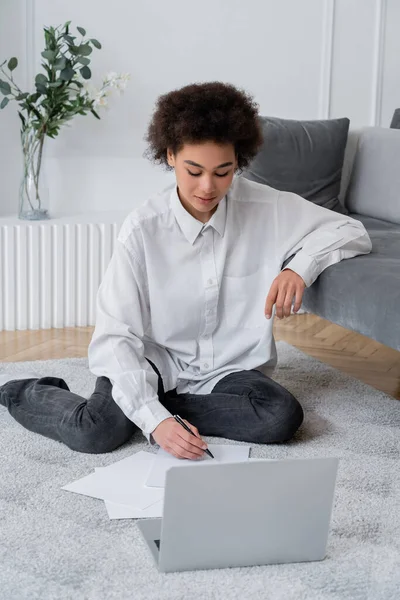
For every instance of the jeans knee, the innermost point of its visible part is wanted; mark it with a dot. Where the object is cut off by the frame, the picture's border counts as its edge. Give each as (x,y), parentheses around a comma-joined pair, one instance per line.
(90,444)
(99,439)
(284,425)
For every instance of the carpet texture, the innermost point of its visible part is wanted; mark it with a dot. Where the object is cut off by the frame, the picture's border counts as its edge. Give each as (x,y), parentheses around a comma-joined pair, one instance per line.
(57,545)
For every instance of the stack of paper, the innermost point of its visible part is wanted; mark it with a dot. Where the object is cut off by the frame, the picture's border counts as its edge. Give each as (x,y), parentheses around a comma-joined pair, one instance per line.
(133,487)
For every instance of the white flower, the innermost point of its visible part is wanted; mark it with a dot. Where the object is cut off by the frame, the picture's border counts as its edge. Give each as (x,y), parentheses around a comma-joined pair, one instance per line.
(110,79)
(116,81)
(91,91)
(101,99)
(122,81)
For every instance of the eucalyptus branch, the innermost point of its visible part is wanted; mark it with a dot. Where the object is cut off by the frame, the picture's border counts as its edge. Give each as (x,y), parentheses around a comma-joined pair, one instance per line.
(11,80)
(62,92)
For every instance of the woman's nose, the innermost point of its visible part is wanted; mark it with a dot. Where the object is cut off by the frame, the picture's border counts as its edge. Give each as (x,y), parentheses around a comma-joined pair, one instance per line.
(207,185)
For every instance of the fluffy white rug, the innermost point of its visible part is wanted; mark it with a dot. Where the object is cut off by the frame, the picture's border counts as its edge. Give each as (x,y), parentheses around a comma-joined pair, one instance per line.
(57,545)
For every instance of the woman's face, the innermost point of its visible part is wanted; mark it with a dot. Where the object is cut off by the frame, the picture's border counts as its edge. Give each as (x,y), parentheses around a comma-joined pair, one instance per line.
(204,174)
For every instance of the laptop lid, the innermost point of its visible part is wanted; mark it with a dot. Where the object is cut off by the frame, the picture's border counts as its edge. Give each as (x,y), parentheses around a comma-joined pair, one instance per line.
(245,514)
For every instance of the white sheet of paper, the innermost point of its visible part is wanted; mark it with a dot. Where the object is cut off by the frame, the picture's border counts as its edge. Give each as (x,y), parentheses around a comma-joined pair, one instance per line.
(222,453)
(120,511)
(125,464)
(122,482)
(87,486)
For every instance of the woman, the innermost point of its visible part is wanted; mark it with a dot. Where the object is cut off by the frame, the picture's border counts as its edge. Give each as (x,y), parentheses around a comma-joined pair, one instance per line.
(184,310)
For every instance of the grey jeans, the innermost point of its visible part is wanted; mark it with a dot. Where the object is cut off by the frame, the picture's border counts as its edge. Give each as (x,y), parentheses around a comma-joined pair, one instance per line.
(245,405)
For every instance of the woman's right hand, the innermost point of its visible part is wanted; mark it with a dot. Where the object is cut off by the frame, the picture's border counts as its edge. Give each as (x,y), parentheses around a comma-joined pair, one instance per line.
(173,438)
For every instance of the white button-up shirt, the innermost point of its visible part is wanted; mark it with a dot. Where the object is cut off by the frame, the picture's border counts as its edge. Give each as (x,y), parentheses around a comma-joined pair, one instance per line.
(190,296)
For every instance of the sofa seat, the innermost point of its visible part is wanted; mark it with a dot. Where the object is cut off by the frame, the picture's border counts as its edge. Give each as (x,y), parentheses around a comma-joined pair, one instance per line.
(363,293)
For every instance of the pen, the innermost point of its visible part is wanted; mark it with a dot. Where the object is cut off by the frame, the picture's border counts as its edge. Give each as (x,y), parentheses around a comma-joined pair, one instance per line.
(179,420)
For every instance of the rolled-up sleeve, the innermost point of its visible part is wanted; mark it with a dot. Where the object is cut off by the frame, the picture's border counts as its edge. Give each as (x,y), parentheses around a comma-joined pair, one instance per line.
(116,349)
(318,237)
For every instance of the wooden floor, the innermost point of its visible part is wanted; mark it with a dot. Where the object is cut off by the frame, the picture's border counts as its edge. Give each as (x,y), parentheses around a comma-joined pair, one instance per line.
(350,352)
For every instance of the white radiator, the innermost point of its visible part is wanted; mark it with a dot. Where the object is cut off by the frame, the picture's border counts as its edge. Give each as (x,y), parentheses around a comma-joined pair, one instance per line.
(50,270)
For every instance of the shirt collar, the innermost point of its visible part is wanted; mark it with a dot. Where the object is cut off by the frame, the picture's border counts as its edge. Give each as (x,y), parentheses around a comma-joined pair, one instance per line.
(190,226)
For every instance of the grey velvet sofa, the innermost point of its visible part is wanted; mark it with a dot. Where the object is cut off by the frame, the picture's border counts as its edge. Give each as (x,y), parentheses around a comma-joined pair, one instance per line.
(363,293)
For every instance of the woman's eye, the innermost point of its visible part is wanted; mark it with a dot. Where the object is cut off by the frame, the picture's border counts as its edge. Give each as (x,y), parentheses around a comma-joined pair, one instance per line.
(198,174)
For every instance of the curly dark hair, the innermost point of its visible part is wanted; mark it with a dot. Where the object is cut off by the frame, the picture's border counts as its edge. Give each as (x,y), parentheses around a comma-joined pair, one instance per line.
(204,112)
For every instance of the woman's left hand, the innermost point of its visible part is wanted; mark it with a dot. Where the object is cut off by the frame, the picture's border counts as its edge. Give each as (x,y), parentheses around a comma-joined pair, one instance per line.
(284,289)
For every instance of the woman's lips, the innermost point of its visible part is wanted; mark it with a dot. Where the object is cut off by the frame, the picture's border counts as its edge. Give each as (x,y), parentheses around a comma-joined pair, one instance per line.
(205,200)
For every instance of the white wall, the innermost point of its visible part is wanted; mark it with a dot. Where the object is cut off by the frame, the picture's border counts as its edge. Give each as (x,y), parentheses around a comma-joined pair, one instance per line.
(12,43)
(301,59)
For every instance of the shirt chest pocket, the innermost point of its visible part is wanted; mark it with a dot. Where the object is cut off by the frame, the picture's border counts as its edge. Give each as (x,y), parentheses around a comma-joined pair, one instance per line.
(243,299)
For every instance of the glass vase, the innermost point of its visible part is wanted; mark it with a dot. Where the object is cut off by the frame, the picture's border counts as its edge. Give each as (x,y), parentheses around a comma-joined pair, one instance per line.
(33,193)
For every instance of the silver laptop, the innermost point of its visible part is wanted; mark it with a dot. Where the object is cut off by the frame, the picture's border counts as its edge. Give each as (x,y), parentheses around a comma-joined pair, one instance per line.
(257,512)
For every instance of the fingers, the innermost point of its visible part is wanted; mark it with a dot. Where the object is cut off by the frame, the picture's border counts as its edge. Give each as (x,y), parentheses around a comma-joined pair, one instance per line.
(192,427)
(286,287)
(192,441)
(297,304)
(196,439)
(183,444)
(287,292)
(281,302)
(271,298)
(182,448)
(183,452)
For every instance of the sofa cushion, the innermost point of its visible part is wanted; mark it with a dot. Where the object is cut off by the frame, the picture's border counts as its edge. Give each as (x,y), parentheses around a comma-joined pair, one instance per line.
(374,188)
(304,157)
(395,123)
(363,293)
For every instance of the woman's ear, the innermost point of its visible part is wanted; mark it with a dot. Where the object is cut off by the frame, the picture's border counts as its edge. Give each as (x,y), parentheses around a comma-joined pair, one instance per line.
(170,158)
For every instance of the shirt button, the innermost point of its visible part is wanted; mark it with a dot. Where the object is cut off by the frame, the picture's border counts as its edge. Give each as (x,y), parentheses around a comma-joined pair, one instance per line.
(206,337)
(206,365)
(210,281)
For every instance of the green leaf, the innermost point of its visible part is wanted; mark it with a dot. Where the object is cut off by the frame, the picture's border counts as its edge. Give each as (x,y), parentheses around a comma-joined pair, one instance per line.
(96,44)
(4,103)
(83,61)
(67,74)
(21,116)
(94,113)
(48,39)
(48,55)
(86,73)
(47,69)
(5,88)
(12,63)
(85,50)
(81,30)
(42,89)
(60,64)
(21,96)
(33,98)
(69,38)
(55,84)
(42,79)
